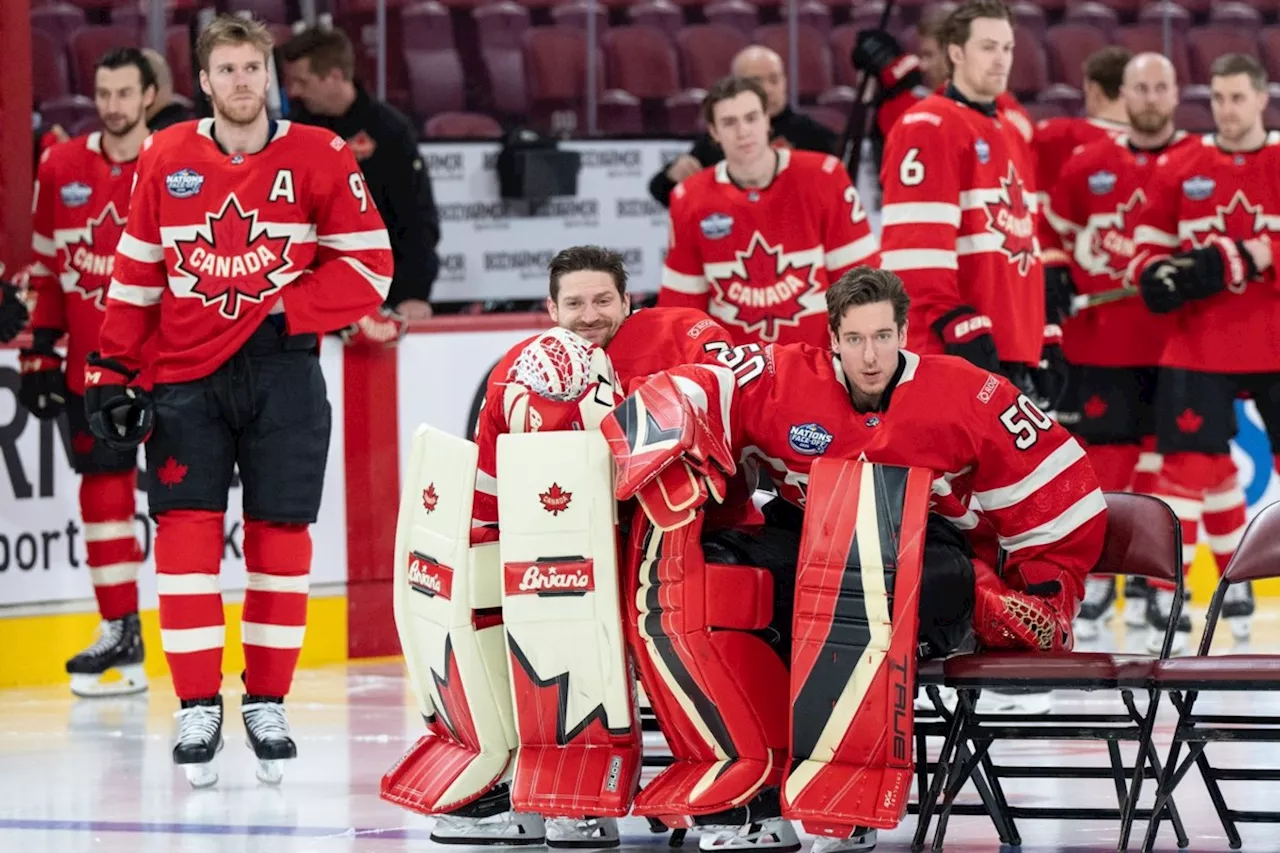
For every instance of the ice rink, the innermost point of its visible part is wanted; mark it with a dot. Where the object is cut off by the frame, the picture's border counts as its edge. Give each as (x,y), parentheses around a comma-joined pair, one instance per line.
(81,775)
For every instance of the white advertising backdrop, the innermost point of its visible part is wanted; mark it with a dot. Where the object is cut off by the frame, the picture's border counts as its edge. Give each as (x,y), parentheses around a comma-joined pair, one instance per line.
(42,548)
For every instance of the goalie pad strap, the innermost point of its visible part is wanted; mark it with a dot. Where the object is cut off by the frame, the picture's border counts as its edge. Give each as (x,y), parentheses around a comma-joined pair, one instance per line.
(719,695)
(854,653)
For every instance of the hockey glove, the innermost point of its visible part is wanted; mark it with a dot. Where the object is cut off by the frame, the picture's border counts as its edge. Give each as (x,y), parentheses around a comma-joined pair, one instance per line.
(13,312)
(42,386)
(967,333)
(382,327)
(877,52)
(120,416)
(1015,620)
(1169,283)
(1051,378)
(1059,290)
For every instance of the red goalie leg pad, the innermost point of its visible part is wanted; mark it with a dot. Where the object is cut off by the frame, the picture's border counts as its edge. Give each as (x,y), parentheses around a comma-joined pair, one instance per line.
(278,560)
(854,660)
(192,631)
(1113,464)
(1224,520)
(720,694)
(111,544)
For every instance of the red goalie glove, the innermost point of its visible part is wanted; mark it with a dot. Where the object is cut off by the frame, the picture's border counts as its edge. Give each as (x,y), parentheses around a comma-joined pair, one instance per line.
(1006,618)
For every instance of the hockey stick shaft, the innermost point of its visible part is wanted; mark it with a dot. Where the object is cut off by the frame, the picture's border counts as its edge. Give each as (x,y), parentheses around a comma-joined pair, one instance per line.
(855,128)
(1102,297)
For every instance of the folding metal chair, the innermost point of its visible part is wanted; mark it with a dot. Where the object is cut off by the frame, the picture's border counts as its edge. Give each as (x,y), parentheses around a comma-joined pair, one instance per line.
(1257,557)
(1144,539)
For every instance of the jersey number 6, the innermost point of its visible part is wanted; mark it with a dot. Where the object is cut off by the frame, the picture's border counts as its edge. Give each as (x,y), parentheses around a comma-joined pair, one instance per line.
(1025,422)
(911,170)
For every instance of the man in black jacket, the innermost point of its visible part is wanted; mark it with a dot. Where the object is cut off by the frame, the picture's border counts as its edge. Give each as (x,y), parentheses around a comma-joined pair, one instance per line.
(788,128)
(165,111)
(319,71)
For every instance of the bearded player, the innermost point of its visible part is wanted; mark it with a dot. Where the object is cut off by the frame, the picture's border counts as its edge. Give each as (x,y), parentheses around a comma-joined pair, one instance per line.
(756,239)
(248,239)
(1008,481)
(81,205)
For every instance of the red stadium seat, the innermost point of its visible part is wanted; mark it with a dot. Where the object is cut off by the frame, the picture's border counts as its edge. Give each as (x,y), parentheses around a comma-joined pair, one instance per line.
(135,18)
(620,114)
(642,61)
(1098,14)
(706,51)
(738,14)
(88,44)
(1068,46)
(268,11)
(1028,15)
(842,40)
(1030,71)
(434,68)
(426,26)
(684,113)
(1236,14)
(67,111)
(1068,99)
(829,117)
(1269,38)
(1141,38)
(500,29)
(48,68)
(1155,13)
(814,62)
(866,14)
(177,50)
(1126,9)
(59,20)
(1205,44)
(660,14)
(461,126)
(1194,117)
(574,13)
(1040,111)
(555,61)
(814,13)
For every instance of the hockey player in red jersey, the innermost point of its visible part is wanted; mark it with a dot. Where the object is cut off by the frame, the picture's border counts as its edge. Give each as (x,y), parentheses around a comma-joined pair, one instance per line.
(247,240)
(1204,257)
(959,213)
(81,204)
(756,238)
(1006,478)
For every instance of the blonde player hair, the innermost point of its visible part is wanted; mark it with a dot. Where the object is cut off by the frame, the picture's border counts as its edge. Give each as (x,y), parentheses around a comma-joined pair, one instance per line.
(232,30)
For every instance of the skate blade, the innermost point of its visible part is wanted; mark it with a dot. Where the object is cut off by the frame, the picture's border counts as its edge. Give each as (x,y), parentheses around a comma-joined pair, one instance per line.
(1135,613)
(270,772)
(204,775)
(1241,627)
(481,841)
(1155,639)
(128,681)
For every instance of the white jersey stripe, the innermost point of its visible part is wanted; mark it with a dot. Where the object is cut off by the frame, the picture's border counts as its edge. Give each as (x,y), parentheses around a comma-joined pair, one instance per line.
(920,213)
(1056,529)
(1068,454)
(355,241)
(133,294)
(851,253)
(142,252)
(901,260)
(682,283)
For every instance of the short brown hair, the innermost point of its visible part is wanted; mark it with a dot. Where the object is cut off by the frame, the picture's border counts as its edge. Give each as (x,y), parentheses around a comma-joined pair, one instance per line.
(1106,68)
(232,30)
(866,286)
(1231,64)
(957,28)
(324,49)
(593,258)
(727,88)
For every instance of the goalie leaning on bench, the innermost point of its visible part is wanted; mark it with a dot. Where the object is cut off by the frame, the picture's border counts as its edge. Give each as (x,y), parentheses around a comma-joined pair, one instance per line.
(882,561)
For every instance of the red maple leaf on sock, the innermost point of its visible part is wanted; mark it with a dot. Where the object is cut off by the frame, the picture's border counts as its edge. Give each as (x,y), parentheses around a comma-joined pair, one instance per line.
(171,473)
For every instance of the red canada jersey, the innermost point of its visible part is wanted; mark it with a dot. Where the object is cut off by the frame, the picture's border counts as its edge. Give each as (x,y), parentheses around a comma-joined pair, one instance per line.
(81,206)
(1004,472)
(1093,210)
(1197,192)
(1007,107)
(958,225)
(760,260)
(1055,141)
(649,341)
(217,241)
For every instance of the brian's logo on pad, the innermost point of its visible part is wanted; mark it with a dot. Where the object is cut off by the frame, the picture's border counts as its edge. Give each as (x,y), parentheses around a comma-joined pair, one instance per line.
(429,577)
(574,576)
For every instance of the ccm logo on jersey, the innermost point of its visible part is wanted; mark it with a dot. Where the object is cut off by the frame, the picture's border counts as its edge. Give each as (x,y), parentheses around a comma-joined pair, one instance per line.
(184,183)
(1198,188)
(429,577)
(575,577)
(811,439)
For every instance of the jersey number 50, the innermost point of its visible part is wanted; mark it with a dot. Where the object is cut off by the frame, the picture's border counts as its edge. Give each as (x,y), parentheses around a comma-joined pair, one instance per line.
(1025,422)
(746,361)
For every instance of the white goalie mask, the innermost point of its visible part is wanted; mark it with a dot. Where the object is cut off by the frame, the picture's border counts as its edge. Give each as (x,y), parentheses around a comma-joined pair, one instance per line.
(563,367)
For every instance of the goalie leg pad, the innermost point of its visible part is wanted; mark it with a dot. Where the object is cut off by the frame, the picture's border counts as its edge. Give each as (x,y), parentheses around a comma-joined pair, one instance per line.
(854,656)
(719,693)
(576,722)
(447,597)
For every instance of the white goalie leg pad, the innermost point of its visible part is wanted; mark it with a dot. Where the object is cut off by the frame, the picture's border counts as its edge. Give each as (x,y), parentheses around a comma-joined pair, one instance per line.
(578,731)
(448,614)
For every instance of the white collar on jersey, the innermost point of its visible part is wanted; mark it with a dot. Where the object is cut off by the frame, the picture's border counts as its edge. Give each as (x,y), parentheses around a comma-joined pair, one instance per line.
(784,160)
(910,364)
(205,129)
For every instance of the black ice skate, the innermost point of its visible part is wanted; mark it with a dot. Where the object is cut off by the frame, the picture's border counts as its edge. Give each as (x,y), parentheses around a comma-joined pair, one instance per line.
(118,648)
(268,731)
(1136,593)
(1095,610)
(1237,609)
(199,740)
(1159,609)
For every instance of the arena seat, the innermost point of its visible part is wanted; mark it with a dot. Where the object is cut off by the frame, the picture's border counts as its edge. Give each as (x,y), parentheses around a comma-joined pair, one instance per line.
(48,68)
(269,11)
(1143,539)
(500,29)
(684,112)
(1068,45)
(68,111)
(1070,100)
(705,52)
(59,20)
(1029,15)
(1236,15)
(88,44)
(642,61)
(866,16)
(1099,15)
(1155,13)
(555,63)
(575,14)
(461,125)
(1030,71)
(1256,558)
(1207,43)
(1269,39)
(1141,38)
(738,14)
(177,50)
(662,15)
(814,62)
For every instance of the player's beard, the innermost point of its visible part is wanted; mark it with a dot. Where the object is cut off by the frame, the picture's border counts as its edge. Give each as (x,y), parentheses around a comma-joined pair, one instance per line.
(1150,121)
(119,124)
(241,112)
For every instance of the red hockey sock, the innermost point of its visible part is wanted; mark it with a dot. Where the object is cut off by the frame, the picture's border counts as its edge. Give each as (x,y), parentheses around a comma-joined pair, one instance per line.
(1224,520)
(192,630)
(1184,480)
(114,554)
(1148,467)
(1113,464)
(278,560)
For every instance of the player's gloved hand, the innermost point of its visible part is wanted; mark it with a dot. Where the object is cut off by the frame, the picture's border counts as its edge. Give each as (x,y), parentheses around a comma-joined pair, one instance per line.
(1019,620)
(1051,378)
(878,52)
(13,312)
(42,387)
(120,415)
(382,328)
(1059,290)
(1169,283)
(967,333)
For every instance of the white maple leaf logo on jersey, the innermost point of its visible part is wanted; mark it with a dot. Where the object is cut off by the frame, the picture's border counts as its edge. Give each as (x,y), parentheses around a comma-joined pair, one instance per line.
(232,259)
(1009,217)
(765,288)
(87,261)
(1107,246)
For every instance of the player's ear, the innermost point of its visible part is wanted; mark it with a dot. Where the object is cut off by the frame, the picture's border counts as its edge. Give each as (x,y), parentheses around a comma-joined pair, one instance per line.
(551,309)
(626,304)
(902,334)
(204,83)
(835,342)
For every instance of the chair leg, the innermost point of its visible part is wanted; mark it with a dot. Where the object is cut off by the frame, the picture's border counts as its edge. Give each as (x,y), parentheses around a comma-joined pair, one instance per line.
(929,804)
(1146,732)
(1215,794)
(958,775)
(992,794)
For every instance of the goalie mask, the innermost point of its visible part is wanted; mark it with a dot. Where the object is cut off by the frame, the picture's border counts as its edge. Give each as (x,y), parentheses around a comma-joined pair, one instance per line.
(560,381)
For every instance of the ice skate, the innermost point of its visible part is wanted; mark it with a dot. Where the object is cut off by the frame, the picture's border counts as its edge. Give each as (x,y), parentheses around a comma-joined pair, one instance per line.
(1095,610)
(267,732)
(862,839)
(507,829)
(993,702)
(119,649)
(1136,593)
(1159,609)
(1237,609)
(593,833)
(774,834)
(924,704)
(199,740)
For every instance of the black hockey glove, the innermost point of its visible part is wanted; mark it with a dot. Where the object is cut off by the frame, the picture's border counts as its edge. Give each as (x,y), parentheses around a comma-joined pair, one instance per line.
(120,416)
(1059,290)
(1051,378)
(13,312)
(1169,283)
(42,386)
(878,53)
(967,333)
